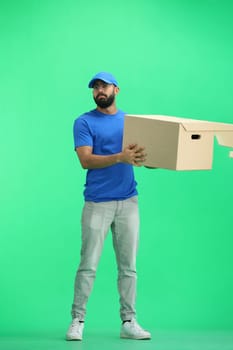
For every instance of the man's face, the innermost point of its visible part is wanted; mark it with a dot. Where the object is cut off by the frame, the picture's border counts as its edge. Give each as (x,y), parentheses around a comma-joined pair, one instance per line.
(104,94)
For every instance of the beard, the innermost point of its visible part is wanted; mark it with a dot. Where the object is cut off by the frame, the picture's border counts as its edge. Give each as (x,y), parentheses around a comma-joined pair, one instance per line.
(104,101)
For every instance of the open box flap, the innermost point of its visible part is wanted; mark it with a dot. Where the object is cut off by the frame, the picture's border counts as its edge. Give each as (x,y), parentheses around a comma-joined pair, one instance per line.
(225,138)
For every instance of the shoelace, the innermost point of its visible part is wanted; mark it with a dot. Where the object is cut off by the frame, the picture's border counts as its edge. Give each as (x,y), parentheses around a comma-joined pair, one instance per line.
(75,324)
(136,326)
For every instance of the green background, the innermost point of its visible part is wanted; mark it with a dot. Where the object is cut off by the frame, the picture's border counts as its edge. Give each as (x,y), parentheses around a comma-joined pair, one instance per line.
(170,57)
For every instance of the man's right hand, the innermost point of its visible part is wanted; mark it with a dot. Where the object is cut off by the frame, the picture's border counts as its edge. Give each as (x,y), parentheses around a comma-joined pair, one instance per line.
(133,154)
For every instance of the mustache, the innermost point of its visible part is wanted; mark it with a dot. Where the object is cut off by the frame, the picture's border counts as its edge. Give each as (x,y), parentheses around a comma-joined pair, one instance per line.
(101,95)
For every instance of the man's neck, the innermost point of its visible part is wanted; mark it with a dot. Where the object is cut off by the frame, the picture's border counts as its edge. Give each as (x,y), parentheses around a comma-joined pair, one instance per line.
(110,110)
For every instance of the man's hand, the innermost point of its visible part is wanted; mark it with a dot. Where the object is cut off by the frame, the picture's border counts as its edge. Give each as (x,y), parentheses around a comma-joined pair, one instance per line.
(133,154)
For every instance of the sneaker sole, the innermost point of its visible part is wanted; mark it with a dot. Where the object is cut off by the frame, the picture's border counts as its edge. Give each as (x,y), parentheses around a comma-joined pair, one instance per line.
(124,336)
(74,338)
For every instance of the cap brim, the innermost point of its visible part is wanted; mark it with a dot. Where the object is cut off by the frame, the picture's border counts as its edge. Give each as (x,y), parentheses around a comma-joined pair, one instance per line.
(91,83)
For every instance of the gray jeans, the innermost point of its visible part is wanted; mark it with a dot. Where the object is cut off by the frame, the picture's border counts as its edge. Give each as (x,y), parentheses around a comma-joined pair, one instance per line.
(97,218)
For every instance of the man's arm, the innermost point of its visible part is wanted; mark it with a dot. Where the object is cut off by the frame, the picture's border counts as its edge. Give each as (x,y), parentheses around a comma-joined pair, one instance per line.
(132,154)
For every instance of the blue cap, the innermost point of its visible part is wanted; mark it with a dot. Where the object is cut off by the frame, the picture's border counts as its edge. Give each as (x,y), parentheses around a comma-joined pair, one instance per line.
(104,76)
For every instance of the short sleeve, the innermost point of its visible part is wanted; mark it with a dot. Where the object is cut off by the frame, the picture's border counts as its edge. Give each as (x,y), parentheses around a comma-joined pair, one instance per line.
(82,133)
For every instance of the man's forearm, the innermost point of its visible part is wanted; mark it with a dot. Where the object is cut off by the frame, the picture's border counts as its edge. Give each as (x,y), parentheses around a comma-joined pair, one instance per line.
(94,161)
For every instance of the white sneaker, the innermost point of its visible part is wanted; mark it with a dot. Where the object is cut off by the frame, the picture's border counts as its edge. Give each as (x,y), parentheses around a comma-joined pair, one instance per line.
(132,330)
(75,331)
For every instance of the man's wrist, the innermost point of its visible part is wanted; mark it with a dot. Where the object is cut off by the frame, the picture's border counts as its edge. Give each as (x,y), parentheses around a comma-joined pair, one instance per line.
(118,158)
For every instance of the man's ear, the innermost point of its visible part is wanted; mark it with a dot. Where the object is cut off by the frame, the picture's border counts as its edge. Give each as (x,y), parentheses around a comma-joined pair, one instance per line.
(117,89)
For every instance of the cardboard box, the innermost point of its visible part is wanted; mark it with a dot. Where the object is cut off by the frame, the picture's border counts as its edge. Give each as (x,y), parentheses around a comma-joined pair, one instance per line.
(176,143)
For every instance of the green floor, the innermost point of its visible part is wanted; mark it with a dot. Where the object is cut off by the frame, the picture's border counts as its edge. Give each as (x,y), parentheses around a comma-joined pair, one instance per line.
(109,340)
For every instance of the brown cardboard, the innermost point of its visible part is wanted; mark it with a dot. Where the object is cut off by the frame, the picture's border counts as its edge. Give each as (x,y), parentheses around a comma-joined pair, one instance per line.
(176,143)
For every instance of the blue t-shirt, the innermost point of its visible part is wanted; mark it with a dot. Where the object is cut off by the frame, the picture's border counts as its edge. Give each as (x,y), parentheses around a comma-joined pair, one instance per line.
(104,133)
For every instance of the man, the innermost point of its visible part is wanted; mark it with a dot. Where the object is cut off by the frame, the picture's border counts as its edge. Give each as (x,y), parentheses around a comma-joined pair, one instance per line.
(110,203)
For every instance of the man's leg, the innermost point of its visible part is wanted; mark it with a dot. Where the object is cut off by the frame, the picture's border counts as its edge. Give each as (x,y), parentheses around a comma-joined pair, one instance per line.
(125,229)
(125,239)
(96,220)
